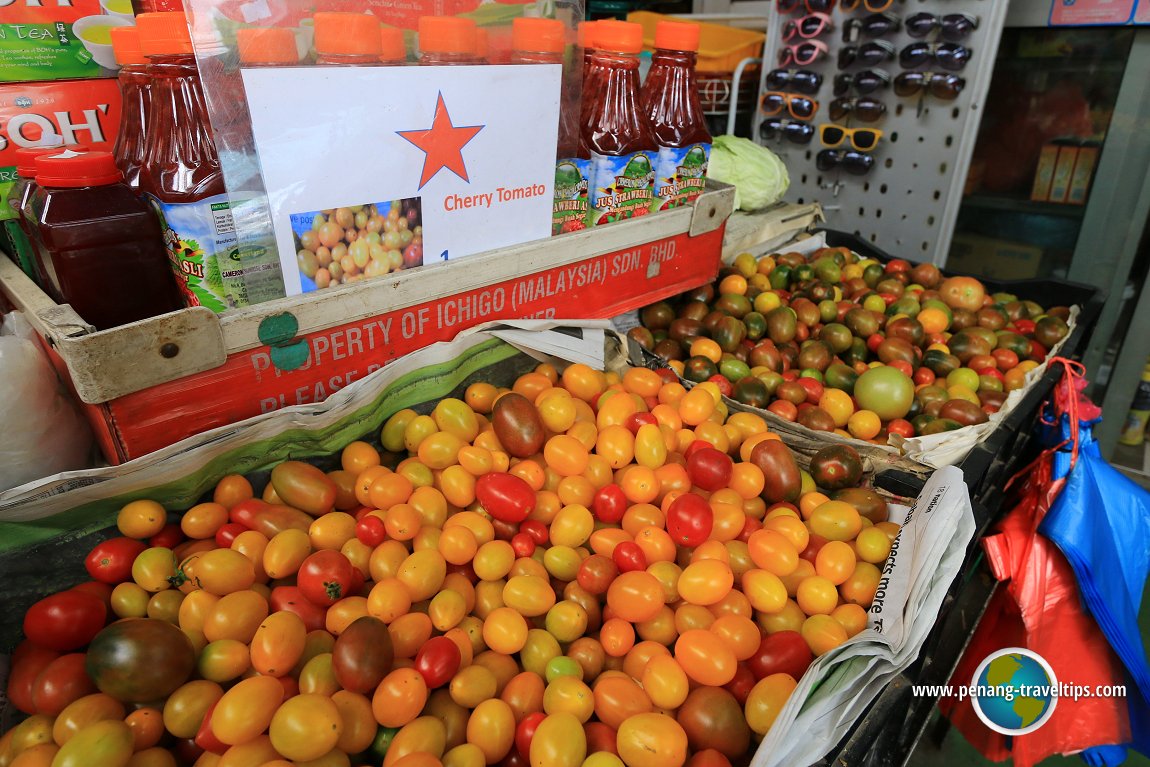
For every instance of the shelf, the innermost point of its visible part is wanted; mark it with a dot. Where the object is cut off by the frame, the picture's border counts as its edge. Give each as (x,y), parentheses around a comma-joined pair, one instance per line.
(1022,206)
(1134,462)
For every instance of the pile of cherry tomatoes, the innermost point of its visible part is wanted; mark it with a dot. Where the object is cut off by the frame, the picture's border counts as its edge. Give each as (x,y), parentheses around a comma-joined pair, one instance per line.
(587,570)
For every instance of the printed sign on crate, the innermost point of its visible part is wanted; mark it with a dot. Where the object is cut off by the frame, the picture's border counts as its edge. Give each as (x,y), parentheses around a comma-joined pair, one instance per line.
(464,155)
(1091,12)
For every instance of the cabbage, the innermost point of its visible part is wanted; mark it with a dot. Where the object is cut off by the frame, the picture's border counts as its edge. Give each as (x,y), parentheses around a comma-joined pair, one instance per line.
(758,175)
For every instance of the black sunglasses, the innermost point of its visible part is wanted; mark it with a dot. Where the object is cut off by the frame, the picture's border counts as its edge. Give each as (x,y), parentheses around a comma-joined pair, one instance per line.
(797,80)
(795,132)
(868,54)
(947,55)
(812,6)
(865,109)
(874,25)
(855,163)
(953,26)
(865,82)
(944,86)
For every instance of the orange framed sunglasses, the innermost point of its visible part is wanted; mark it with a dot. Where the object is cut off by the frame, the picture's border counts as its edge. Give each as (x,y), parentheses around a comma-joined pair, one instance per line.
(797,106)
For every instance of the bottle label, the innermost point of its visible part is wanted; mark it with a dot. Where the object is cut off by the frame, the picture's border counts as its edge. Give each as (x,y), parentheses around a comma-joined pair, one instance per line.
(212,268)
(623,187)
(572,179)
(680,175)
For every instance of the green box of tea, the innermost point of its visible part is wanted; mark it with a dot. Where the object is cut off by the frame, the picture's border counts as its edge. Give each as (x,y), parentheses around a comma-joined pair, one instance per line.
(59,39)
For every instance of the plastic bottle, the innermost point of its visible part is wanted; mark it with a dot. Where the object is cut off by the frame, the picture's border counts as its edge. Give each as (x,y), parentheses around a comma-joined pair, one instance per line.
(585,37)
(393,48)
(135,91)
(181,174)
(267,47)
(541,41)
(671,103)
(99,244)
(1134,430)
(347,39)
(482,45)
(615,130)
(447,40)
(18,197)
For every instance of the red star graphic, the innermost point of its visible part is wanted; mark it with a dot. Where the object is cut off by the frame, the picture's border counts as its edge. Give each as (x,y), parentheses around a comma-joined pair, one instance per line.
(443,144)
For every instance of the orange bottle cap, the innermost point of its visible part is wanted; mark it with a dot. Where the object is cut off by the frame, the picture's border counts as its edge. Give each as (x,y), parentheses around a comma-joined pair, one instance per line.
(619,36)
(126,46)
(348,34)
(586,32)
(446,34)
(677,36)
(393,47)
(164,33)
(267,45)
(537,35)
(74,169)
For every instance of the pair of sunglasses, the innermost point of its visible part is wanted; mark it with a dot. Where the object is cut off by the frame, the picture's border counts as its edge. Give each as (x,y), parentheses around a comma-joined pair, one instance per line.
(812,6)
(941,85)
(947,55)
(874,6)
(864,109)
(855,163)
(797,80)
(863,83)
(862,139)
(806,52)
(795,132)
(798,107)
(953,26)
(868,54)
(874,25)
(806,27)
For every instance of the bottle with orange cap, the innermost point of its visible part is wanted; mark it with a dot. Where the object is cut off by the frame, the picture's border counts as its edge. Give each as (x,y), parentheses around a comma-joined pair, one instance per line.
(135,92)
(671,104)
(347,39)
(181,172)
(614,128)
(97,242)
(18,196)
(542,41)
(448,40)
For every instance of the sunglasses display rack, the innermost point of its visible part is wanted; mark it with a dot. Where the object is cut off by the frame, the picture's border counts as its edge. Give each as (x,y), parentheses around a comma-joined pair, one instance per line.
(892,167)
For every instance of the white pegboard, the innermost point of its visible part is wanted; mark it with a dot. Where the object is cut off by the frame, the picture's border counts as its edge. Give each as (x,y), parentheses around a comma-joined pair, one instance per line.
(908,203)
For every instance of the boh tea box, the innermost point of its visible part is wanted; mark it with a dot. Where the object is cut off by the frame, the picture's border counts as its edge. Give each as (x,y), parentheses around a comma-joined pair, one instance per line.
(59,39)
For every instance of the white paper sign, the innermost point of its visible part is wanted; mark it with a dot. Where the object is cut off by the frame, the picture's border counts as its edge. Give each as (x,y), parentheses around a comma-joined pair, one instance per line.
(467,152)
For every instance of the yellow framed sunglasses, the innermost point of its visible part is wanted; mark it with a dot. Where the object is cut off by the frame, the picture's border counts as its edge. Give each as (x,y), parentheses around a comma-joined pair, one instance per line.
(862,139)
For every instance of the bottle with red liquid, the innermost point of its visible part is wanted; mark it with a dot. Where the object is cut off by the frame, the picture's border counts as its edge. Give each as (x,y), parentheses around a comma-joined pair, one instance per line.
(541,41)
(615,129)
(448,40)
(98,244)
(671,104)
(347,39)
(135,90)
(18,198)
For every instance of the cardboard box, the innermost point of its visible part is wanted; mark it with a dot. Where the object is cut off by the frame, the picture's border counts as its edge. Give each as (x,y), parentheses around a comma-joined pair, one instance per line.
(1063,173)
(59,39)
(1044,175)
(82,112)
(1083,175)
(993,258)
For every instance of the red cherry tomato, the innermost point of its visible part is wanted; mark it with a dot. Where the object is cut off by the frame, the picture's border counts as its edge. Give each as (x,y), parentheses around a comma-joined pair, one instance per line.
(537,530)
(628,557)
(783,652)
(600,737)
(901,427)
(897,265)
(741,685)
(635,420)
(169,537)
(710,469)
(1025,327)
(596,573)
(292,600)
(523,544)
(526,731)
(326,577)
(749,527)
(111,560)
(1037,351)
(28,661)
(65,621)
(903,367)
(228,532)
(505,496)
(814,389)
(690,520)
(923,377)
(370,531)
(205,738)
(725,387)
(437,661)
(874,340)
(695,446)
(609,504)
(668,375)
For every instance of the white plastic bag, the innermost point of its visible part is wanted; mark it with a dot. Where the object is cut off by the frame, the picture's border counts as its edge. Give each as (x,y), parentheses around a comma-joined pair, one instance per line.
(42,431)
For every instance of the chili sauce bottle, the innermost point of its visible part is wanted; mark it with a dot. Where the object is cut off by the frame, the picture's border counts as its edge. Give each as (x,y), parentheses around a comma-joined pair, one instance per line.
(447,40)
(615,129)
(98,243)
(671,104)
(347,39)
(135,90)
